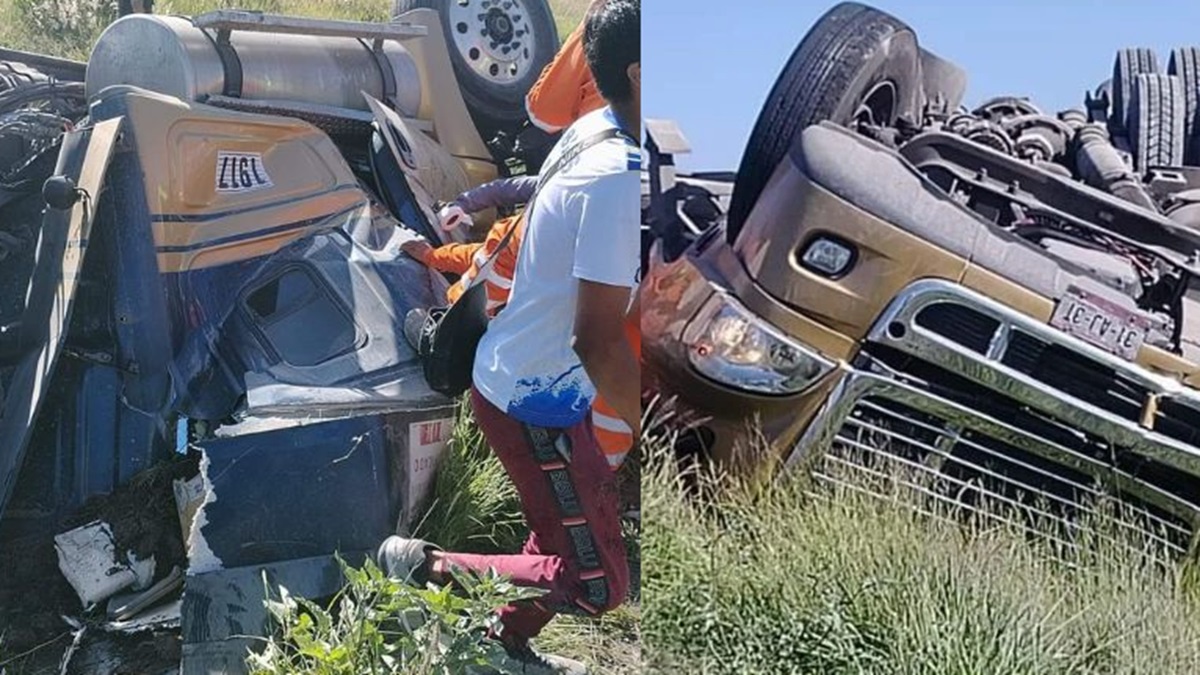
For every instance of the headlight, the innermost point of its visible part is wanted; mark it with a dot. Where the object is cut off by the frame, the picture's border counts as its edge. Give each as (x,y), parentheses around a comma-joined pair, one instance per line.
(729,344)
(828,256)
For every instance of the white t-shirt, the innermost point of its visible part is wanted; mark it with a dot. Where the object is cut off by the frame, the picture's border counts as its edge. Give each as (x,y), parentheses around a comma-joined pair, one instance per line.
(584,225)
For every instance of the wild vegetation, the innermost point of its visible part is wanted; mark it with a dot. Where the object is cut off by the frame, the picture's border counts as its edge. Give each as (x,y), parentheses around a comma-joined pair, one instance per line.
(785,577)
(378,624)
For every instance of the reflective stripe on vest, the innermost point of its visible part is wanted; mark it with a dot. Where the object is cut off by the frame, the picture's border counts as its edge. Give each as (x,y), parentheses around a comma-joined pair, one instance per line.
(610,423)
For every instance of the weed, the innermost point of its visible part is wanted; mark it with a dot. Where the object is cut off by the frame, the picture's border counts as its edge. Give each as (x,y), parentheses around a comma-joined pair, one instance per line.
(66,19)
(381,625)
(794,579)
(475,508)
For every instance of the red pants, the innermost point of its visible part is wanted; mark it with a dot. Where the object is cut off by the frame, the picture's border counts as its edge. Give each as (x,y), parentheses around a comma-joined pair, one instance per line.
(569,495)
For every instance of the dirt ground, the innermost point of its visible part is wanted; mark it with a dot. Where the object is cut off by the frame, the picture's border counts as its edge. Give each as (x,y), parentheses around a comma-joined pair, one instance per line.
(35,597)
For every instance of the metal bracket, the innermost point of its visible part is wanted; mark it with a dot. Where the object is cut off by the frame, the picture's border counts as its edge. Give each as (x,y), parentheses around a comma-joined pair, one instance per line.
(663,141)
(230,20)
(231,63)
(385,72)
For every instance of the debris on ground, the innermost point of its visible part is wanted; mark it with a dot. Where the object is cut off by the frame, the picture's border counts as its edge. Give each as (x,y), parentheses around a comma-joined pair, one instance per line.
(95,568)
(38,604)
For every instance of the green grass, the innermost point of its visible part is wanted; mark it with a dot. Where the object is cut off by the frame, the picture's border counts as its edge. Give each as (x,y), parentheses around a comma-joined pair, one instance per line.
(16,32)
(784,583)
(475,508)
(568,14)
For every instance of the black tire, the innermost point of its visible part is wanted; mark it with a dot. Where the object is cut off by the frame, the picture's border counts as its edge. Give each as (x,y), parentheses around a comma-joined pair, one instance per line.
(853,54)
(497,101)
(1129,64)
(1156,112)
(1185,64)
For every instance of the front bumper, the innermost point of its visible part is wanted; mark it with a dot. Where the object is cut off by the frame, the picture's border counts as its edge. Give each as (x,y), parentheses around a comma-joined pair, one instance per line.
(976,403)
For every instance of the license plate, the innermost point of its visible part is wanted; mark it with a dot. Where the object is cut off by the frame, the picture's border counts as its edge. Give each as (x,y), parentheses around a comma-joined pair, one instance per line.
(1100,322)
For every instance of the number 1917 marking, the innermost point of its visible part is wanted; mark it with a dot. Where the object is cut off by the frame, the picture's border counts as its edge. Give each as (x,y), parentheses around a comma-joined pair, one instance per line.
(241,172)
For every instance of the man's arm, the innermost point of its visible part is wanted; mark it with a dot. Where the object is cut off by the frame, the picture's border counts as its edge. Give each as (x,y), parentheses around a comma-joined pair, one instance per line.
(452,258)
(500,193)
(553,101)
(599,340)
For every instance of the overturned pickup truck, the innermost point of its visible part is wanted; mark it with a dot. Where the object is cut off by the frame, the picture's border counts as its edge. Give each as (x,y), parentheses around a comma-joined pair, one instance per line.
(202,294)
(1005,303)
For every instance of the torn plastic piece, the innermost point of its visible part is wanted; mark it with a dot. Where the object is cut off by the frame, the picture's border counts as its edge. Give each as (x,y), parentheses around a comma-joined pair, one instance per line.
(200,556)
(189,495)
(87,556)
(127,606)
(164,616)
(143,571)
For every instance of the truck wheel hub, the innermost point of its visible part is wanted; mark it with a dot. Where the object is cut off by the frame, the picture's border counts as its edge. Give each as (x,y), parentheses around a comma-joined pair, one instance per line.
(494,37)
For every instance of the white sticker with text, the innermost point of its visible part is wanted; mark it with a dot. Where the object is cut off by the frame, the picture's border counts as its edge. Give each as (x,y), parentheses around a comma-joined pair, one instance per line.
(426,444)
(241,172)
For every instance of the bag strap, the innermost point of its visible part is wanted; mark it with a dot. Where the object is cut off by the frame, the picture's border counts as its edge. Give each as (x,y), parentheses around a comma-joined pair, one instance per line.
(565,158)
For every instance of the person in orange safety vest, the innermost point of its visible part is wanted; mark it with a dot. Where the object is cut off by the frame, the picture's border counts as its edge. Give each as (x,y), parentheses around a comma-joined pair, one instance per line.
(615,437)
(565,91)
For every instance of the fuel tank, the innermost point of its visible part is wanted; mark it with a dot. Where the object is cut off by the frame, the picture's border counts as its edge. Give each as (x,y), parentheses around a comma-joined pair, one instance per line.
(170,55)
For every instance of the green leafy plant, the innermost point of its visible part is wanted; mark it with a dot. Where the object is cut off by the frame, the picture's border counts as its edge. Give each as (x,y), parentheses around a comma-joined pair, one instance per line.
(380,625)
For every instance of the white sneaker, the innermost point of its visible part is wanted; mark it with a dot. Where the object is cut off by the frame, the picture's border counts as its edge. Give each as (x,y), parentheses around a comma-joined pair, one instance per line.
(404,559)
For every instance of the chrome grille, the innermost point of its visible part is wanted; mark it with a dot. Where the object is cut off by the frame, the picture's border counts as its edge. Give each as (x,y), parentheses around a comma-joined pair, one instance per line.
(969,402)
(968,327)
(1074,374)
(1038,366)
(883,442)
(1178,421)
(1052,364)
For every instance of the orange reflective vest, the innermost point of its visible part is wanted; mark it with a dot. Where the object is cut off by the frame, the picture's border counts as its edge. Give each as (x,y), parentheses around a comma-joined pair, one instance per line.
(614,435)
(467,259)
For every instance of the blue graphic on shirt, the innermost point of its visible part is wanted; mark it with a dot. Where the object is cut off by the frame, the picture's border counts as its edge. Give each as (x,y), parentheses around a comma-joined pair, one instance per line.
(558,403)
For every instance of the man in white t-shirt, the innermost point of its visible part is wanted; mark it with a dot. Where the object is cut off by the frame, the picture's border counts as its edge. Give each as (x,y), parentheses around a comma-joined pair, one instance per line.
(559,341)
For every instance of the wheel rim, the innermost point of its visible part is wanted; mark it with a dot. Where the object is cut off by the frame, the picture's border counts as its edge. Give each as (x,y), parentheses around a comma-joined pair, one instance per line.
(494,37)
(878,107)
